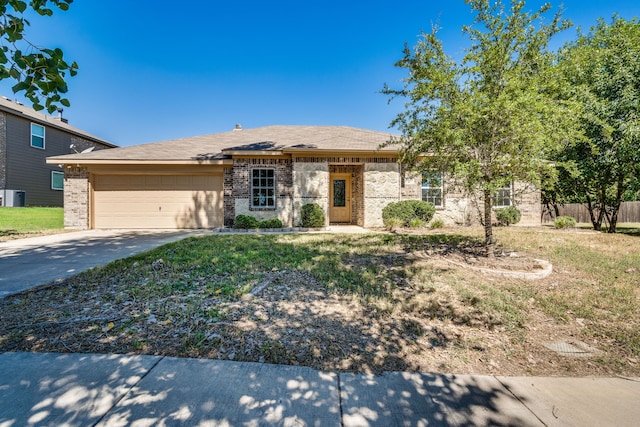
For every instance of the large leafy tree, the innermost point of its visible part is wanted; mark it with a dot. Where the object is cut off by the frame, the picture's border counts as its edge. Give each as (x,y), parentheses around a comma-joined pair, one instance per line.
(38,72)
(490,118)
(603,69)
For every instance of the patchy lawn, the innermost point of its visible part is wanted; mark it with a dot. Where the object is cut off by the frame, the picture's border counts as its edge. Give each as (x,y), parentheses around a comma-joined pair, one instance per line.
(30,221)
(367,302)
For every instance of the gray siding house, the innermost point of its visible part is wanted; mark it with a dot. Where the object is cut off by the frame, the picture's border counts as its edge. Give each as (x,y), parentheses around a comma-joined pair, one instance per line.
(268,172)
(27,138)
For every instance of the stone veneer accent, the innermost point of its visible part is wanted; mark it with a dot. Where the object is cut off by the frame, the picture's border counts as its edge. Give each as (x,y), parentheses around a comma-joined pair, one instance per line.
(459,208)
(381,187)
(310,185)
(76,198)
(374,183)
(528,201)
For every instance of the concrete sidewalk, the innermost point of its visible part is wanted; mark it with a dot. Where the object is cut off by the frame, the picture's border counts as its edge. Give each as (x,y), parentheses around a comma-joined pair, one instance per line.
(117,390)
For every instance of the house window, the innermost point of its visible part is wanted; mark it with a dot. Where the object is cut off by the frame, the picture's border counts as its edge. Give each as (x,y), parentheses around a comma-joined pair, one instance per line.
(503,197)
(432,187)
(57,180)
(263,189)
(37,136)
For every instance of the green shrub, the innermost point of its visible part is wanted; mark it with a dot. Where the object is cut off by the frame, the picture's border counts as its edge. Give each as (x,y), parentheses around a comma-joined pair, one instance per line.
(508,216)
(436,223)
(407,211)
(270,223)
(312,215)
(417,223)
(245,221)
(564,222)
(392,223)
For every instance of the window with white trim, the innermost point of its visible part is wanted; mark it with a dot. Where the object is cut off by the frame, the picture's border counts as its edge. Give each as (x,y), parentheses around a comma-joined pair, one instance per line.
(37,136)
(502,198)
(432,188)
(57,180)
(263,189)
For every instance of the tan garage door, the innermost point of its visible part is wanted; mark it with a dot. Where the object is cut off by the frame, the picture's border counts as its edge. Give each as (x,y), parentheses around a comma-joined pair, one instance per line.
(157,201)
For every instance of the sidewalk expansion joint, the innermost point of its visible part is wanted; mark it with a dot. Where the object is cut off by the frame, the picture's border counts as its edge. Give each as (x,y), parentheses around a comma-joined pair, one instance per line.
(506,387)
(340,399)
(117,401)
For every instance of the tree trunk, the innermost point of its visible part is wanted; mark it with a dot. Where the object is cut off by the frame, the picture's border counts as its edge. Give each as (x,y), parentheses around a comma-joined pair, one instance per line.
(597,223)
(613,221)
(489,243)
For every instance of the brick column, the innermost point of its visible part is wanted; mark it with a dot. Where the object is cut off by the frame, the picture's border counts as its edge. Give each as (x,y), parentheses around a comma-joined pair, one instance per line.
(76,198)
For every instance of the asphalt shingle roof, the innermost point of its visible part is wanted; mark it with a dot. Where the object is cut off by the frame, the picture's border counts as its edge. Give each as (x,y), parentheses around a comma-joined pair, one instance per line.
(22,110)
(269,138)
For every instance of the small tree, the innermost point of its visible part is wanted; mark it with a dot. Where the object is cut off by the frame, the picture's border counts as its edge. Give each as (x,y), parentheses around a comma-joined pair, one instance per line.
(492,118)
(603,169)
(39,72)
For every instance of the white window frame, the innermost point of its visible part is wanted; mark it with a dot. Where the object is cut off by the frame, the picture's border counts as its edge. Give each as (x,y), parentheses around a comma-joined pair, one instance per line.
(502,194)
(430,193)
(57,173)
(263,187)
(43,136)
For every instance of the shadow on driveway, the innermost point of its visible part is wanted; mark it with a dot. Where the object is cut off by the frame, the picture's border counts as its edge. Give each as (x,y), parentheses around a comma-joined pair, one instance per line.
(26,263)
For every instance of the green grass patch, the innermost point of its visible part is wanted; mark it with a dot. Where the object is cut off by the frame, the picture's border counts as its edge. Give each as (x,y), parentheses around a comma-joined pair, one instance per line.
(19,221)
(194,288)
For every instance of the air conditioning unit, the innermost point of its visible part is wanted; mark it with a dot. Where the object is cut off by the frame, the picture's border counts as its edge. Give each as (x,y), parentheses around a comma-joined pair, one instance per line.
(13,198)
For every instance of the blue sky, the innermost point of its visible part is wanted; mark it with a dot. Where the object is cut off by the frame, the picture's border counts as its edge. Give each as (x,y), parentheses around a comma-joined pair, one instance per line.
(158,70)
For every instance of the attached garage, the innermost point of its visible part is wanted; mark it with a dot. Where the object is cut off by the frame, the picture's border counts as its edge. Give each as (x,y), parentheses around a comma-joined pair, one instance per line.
(157,201)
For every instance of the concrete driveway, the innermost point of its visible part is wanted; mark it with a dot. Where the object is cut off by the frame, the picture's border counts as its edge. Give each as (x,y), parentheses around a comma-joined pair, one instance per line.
(26,263)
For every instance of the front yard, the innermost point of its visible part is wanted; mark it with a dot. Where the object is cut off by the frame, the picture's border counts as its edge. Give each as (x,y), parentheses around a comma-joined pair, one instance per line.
(17,223)
(371,302)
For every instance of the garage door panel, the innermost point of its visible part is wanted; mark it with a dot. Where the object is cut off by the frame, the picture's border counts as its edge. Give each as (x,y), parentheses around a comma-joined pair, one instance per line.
(158,201)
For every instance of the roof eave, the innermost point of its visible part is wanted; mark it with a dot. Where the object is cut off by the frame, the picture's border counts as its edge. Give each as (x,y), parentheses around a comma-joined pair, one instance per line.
(385,152)
(71,161)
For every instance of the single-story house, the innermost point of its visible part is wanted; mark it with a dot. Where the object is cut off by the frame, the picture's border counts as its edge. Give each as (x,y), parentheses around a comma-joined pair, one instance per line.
(267,172)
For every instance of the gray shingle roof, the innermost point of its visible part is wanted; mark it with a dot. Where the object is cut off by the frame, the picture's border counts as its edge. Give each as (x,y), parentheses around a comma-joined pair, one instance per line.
(22,110)
(265,139)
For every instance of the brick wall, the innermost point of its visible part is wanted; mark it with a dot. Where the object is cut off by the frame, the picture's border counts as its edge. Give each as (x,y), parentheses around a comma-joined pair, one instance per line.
(228,201)
(76,198)
(3,151)
(241,192)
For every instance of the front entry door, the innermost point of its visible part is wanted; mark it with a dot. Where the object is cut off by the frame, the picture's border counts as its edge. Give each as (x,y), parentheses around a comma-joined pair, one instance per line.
(340,203)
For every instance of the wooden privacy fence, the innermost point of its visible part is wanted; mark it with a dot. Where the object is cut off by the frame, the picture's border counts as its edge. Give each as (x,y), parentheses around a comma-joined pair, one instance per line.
(629,212)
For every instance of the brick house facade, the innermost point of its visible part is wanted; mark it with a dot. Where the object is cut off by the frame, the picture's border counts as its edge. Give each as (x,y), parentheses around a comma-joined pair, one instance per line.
(266,172)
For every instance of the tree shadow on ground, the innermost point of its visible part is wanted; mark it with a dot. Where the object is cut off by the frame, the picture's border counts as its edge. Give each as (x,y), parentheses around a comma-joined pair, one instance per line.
(113,390)
(227,392)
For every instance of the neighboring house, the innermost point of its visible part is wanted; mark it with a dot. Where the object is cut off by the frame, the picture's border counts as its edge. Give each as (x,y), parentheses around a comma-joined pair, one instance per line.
(27,138)
(205,181)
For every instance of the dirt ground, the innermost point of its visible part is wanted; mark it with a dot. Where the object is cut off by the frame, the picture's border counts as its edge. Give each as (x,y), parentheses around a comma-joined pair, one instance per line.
(291,318)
